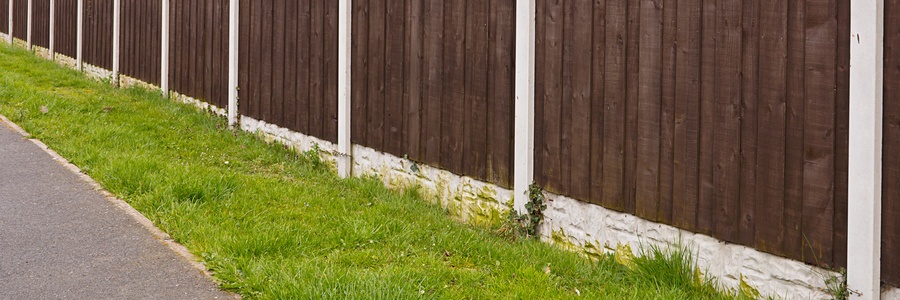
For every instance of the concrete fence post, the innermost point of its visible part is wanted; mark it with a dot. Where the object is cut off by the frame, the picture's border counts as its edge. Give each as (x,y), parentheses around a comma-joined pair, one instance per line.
(52,29)
(28,25)
(79,51)
(117,27)
(866,125)
(344,146)
(234,17)
(164,49)
(524,119)
(9,38)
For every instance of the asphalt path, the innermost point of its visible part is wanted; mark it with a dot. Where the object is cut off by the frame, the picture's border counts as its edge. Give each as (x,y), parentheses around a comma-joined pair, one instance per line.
(62,239)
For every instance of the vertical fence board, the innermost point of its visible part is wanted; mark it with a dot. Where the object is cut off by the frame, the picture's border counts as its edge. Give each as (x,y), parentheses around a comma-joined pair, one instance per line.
(330,74)
(552,96)
(749,117)
(375,107)
(412,90)
(632,98)
(648,124)
(794,119)
(667,111)
(770,156)
(579,18)
(687,116)
(818,135)
(890,232)
(453,104)
(303,114)
(707,197)
(597,101)
(614,121)
(841,139)
(359,63)
(4,16)
(432,88)
(393,77)
(726,151)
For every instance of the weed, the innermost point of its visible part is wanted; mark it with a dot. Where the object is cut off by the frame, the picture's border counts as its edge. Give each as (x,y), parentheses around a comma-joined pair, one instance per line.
(836,286)
(525,225)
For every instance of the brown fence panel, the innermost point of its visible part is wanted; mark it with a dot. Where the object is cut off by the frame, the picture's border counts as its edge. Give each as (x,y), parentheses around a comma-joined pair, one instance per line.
(40,23)
(66,32)
(433,81)
(20,19)
(890,232)
(288,71)
(198,47)
(727,118)
(140,36)
(98,17)
(4,16)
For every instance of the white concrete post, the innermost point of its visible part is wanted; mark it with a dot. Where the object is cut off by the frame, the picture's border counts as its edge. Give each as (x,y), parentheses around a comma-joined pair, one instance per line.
(164,43)
(233,42)
(52,29)
(866,115)
(9,38)
(345,159)
(28,26)
(117,18)
(79,59)
(524,131)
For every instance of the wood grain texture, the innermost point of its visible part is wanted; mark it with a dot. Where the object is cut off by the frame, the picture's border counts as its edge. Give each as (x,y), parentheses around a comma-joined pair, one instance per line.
(795,116)
(140,46)
(890,232)
(198,53)
(4,16)
(66,31)
(20,19)
(40,23)
(288,63)
(97,32)
(713,116)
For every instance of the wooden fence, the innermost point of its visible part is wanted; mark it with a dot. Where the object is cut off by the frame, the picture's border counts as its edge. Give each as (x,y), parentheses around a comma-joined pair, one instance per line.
(40,32)
(66,31)
(4,16)
(140,36)
(20,19)
(727,118)
(288,73)
(98,20)
(198,43)
(435,83)
(890,239)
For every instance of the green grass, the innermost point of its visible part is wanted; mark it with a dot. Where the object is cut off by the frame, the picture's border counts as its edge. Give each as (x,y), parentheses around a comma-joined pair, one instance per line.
(275,224)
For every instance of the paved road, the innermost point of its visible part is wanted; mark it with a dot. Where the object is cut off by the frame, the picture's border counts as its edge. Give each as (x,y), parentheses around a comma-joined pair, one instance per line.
(60,239)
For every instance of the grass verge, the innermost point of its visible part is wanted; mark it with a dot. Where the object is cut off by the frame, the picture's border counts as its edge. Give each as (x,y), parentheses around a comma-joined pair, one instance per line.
(275,224)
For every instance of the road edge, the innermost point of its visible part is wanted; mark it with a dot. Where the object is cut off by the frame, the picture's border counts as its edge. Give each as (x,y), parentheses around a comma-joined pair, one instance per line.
(157,233)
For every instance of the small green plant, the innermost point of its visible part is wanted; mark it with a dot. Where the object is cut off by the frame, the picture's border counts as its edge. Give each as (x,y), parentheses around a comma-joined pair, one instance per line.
(526,224)
(313,156)
(836,286)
